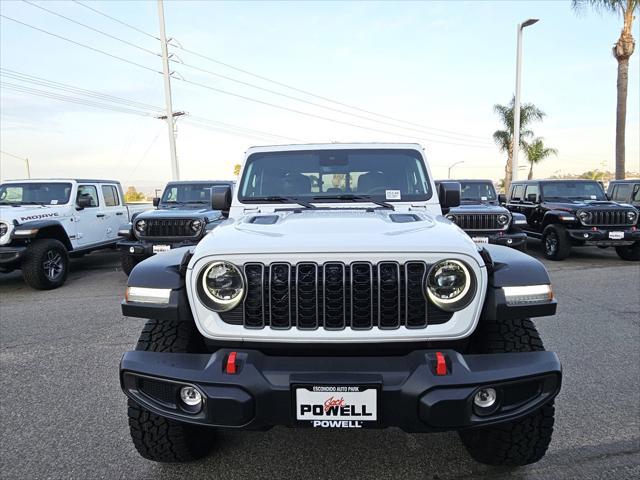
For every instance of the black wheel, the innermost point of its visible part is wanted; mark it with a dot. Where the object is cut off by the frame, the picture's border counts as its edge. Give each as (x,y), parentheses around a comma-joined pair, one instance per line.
(128,262)
(523,441)
(158,438)
(523,247)
(629,252)
(555,242)
(46,264)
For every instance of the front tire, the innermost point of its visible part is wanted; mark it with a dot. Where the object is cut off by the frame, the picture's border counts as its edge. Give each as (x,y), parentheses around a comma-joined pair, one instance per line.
(128,262)
(555,242)
(155,437)
(629,252)
(46,264)
(518,442)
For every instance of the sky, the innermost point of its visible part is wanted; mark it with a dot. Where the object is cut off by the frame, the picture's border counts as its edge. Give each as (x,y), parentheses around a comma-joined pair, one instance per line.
(439,67)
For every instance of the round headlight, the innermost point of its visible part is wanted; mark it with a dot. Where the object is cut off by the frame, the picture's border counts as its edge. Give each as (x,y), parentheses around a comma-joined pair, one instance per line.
(450,285)
(196,225)
(503,219)
(632,216)
(222,285)
(584,216)
(451,218)
(141,226)
(3,229)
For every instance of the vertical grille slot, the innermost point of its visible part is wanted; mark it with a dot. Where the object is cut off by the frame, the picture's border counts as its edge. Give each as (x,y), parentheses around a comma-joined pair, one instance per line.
(361,295)
(307,295)
(334,286)
(254,301)
(388,295)
(415,302)
(280,295)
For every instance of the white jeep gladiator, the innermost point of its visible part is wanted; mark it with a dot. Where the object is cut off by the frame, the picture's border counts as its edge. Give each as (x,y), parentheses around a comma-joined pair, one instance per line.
(44,222)
(336,295)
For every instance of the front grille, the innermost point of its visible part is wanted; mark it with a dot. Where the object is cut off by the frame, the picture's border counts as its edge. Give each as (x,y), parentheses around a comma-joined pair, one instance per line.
(607,217)
(335,295)
(174,227)
(479,221)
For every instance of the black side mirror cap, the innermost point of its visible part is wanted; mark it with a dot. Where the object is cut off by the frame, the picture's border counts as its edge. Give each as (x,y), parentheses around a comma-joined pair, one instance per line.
(83,202)
(221,198)
(156,201)
(502,198)
(449,194)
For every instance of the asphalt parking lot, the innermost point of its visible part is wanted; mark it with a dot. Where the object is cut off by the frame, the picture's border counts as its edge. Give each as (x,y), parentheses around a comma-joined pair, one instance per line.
(62,414)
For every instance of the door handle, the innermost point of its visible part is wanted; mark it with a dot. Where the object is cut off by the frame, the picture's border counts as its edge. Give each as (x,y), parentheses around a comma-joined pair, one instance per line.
(119,213)
(100,215)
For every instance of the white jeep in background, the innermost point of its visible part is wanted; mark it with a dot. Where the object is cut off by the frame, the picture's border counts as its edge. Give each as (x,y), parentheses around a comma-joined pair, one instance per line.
(336,295)
(44,222)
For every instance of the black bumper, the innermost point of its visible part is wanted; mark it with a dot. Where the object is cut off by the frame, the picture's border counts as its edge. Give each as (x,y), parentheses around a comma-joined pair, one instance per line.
(602,237)
(10,256)
(410,393)
(507,239)
(138,248)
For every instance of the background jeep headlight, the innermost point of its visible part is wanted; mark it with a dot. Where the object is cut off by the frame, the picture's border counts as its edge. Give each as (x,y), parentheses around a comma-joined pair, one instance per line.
(222,286)
(584,216)
(451,218)
(196,225)
(141,226)
(503,219)
(450,285)
(631,216)
(3,229)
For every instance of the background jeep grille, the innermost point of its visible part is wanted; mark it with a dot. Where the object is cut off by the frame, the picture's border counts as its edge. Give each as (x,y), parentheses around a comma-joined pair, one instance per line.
(175,227)
(607,217)
(479,221)
(334,296)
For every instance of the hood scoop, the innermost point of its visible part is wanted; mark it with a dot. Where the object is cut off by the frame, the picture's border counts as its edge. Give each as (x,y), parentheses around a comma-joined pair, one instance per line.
(263,219)
(404,218)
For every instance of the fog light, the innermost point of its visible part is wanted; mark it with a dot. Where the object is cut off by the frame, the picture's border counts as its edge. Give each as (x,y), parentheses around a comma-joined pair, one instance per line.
(191,398)
(509,241)
(585,235)
(485,398)
(132,250)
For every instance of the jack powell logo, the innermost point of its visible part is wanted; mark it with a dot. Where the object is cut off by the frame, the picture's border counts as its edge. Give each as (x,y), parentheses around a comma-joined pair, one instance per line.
(333,407)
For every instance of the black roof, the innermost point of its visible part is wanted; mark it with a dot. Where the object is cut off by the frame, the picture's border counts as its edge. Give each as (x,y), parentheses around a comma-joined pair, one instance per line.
(468,180)
(197,182)
(551,180)
(626,180)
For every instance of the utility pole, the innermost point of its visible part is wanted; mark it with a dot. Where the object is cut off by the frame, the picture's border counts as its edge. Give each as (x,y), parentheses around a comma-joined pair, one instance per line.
(516,103)
(175,172)
(453,165)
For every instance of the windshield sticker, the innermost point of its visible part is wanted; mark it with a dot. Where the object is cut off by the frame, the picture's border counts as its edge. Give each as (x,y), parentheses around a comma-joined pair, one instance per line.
(593,197)
(54,202)
(392,194)
(484,199)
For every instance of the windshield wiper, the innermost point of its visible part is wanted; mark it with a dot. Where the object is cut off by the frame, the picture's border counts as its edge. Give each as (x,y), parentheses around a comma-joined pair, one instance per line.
(355,198)
(282,198)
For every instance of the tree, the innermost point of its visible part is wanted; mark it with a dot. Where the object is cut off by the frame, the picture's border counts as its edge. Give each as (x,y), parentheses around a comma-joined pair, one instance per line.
(504,138)
(132,195)
(622,51)
(536,152)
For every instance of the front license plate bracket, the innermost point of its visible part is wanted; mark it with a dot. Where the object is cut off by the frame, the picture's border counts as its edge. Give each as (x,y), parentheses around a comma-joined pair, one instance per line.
(336,406)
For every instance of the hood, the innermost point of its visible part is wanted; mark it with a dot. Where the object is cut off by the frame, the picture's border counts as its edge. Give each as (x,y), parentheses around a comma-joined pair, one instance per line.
(29,213)
(335,231)
(478,208)
(175,213)
(573,205)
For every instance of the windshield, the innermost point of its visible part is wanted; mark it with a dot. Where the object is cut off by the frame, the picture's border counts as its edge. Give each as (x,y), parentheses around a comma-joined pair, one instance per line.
(381,175)
(35,193)
(185,193)
(573,191)
(477,191)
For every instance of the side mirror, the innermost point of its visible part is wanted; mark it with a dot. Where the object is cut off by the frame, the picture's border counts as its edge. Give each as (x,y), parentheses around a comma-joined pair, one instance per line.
(156,201)
(83,202)
(502,198)
(449,194)
(221,198)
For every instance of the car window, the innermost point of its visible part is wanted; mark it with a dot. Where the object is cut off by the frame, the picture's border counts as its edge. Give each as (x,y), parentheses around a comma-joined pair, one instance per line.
(517,192)
(572,191)
(35,192)
(531,193)
(110,194)
(636,193)
(622,192)
(478,191)
(89,191)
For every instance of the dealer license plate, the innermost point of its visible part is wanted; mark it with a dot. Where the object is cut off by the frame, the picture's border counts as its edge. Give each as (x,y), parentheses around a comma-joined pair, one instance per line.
(161,248)
(480,239)
(616,235)
(337,406)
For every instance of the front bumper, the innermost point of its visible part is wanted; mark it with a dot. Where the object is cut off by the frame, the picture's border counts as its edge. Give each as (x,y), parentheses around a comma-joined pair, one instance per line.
(11,255)
(602,237)
(410,395)
(143,249)
(508,239)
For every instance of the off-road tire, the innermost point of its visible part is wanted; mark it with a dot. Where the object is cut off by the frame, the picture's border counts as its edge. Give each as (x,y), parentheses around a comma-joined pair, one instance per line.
(629,252)
(523,248)
(519,442)
(155,437)
(555,242)
(39,254)
(128,262)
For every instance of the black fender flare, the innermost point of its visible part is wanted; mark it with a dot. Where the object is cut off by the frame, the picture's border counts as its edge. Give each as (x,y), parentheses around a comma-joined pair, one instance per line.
(553,216)
(34,229)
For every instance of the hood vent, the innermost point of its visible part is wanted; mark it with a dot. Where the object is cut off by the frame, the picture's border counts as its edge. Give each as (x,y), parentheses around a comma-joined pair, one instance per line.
(264,219)
(404,218)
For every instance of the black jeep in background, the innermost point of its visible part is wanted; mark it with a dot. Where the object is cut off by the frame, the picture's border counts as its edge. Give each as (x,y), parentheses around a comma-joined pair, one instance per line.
(625,191)
(183,216)
(573,213)
(482,217)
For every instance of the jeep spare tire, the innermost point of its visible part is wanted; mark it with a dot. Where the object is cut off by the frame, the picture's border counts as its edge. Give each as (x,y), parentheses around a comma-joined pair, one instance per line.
(46,264)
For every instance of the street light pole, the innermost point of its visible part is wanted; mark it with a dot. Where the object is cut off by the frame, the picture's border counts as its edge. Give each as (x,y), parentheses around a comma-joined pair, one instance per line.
(516,103)
(175,172)
(453,165)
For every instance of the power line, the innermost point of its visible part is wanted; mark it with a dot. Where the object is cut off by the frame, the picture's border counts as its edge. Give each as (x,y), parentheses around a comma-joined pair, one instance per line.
(12,155)
(285,85)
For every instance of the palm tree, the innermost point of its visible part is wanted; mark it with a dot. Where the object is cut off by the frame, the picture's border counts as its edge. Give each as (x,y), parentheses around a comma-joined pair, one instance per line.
(536,152)
(622,51)
(504,138)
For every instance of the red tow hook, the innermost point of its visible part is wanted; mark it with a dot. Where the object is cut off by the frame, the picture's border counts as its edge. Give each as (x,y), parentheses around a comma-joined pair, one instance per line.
(441,364)
(232,367)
